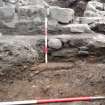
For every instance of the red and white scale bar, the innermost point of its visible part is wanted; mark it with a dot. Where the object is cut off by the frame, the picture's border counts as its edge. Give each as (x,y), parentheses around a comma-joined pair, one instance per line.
(47,101)
(46,36)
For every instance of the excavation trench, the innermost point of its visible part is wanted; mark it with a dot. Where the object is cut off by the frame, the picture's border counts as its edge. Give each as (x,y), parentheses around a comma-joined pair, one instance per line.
(56,80)
(76,57)
(80,76)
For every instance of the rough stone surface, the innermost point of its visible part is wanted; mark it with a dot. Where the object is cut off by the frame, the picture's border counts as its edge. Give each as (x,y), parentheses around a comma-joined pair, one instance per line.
(94,8)
(29,19)
(15,51)
(1,3)
(62,15)
(32,2)
(90,20)
(78,6)
(70,49)
(29,11)
(79,28)
(55,43)
(20,50)
(6,13)
(14,15)
(98,27)
(97,24)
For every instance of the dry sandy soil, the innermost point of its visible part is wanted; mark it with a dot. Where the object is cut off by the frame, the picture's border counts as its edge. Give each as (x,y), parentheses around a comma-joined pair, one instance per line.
(56,80)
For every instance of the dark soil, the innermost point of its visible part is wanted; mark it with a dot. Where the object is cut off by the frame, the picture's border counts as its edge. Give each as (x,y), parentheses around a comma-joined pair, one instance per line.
(56,80)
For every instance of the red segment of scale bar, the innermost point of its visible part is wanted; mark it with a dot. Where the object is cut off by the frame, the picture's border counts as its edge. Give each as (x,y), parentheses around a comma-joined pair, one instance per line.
(46,31)
(45,50)
(64,100)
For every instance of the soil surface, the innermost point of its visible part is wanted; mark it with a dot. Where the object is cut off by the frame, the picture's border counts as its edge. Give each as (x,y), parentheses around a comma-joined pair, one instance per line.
(57,80)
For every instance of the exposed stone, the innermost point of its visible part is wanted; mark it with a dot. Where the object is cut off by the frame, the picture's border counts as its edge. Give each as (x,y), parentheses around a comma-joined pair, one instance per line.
(52,22)
(23,50)
(6,13)
(29,19)
(14,48)
(30,27)
(42,3)
(97,24)
(32,2)
(1,3)
(80,7)
(83,48)
(90,20)
(11,24)
(98,27)
(90,14)
(54,43)
(69,2)
(30,12)
(13,1)
(23,2)
(79,45)
(16,51)
(83,53)
(94,8)
(0,34)
(63,15)
(101,27)
(78,28)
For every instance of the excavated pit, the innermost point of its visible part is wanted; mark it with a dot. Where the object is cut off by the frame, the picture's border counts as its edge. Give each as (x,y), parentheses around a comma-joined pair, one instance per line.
(76,51)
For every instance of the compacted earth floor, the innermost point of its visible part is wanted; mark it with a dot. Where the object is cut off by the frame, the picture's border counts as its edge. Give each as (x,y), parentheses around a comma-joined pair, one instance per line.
(57,80)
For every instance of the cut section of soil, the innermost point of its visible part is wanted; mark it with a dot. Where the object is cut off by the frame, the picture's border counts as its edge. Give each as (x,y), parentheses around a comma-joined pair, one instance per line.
(57,80)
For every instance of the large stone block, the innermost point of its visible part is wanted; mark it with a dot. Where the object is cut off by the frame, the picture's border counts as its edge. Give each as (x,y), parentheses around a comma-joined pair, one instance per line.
(28,26)
(42,3)
(63,15)
(78,28)
(32,2)
(30,12)
(90,20)
(94,8)
(6,13)
(95,23)
(1,3)
(89,13)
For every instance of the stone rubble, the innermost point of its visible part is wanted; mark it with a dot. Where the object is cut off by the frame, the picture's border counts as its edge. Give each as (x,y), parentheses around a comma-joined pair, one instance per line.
(6,13)
(94,9)
(62,15)
(79,28)
(20,50)
(15,51)
(27,17)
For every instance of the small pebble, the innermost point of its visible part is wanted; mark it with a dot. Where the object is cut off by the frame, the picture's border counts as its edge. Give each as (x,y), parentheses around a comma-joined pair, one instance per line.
(83,53)
(83,48)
